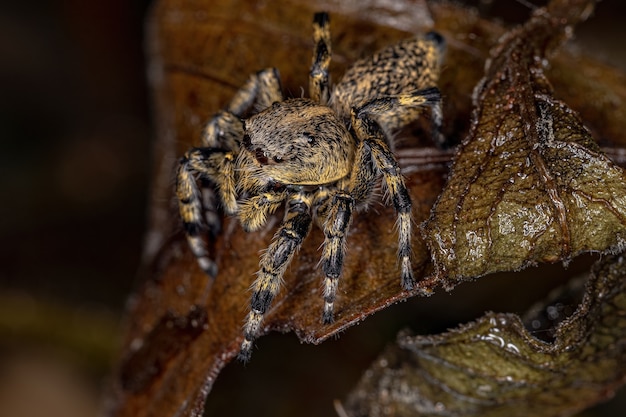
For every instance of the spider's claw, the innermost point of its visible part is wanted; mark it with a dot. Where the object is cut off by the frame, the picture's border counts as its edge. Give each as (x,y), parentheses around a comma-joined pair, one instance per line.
(330,293)
(246,351)
(250,332)
(198,248)
(328,315)
(408,282)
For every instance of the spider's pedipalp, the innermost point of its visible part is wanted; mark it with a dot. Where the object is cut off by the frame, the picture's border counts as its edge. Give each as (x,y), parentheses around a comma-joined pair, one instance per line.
(319,79)
(253,212)
(274,262)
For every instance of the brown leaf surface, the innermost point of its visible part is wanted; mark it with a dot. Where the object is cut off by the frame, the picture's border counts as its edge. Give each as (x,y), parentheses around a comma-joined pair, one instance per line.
(201,53)
(182,329)
(495,367)
(529,184)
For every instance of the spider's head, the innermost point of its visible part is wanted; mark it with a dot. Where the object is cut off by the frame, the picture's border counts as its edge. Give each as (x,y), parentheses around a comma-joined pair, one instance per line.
(298,142)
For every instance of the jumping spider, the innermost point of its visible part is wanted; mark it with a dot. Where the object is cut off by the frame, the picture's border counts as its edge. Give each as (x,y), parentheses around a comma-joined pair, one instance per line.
(321,157)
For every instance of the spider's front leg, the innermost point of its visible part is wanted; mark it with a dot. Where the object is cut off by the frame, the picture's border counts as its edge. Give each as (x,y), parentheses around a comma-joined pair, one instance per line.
(225,131)
(274,262)
(334,215)
(214,164)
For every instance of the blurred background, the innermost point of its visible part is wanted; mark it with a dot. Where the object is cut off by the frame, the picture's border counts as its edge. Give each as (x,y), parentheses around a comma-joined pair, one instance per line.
(75,136)
(74,160)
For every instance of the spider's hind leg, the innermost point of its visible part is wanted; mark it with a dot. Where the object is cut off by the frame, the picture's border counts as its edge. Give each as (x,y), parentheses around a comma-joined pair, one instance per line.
(390,111)
(319,80)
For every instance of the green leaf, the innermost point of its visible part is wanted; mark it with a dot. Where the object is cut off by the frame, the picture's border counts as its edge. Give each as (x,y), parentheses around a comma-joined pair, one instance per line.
(495,367)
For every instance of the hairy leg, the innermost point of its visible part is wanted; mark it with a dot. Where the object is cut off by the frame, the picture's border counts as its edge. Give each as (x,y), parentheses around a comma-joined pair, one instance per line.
(373,137)
(335,216)
(319,81)
(225,130)
(398,110)
(212,165)
(274,262)
(263,88)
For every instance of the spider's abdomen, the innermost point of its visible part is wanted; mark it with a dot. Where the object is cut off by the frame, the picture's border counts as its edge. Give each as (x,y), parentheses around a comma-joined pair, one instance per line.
(298,142)
(410,65)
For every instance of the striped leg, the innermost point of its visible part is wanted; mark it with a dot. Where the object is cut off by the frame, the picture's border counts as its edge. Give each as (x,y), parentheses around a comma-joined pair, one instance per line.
(335,225)
(215,165)
(386,105)
(335,215)
(372,135)
(212,165)
(273,264)
(225,130)
(318,77)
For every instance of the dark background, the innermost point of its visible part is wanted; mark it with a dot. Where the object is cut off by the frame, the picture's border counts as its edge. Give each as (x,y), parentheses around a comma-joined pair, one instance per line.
(75,136)
(74,163)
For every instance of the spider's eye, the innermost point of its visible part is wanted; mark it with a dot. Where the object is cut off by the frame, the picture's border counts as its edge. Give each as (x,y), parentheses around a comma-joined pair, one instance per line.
(309,138)
(278,159)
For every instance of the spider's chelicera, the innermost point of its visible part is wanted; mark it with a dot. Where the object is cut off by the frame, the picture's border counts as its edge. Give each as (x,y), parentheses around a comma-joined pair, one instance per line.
(321,157)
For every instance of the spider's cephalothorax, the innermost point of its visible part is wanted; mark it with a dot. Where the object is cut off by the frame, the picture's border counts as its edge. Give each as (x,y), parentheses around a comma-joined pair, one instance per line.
(321,157)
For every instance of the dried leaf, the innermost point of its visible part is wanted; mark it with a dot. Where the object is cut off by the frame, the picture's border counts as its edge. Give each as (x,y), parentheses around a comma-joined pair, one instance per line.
(495,367)
(173,353)
(182,329)
(529,184)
